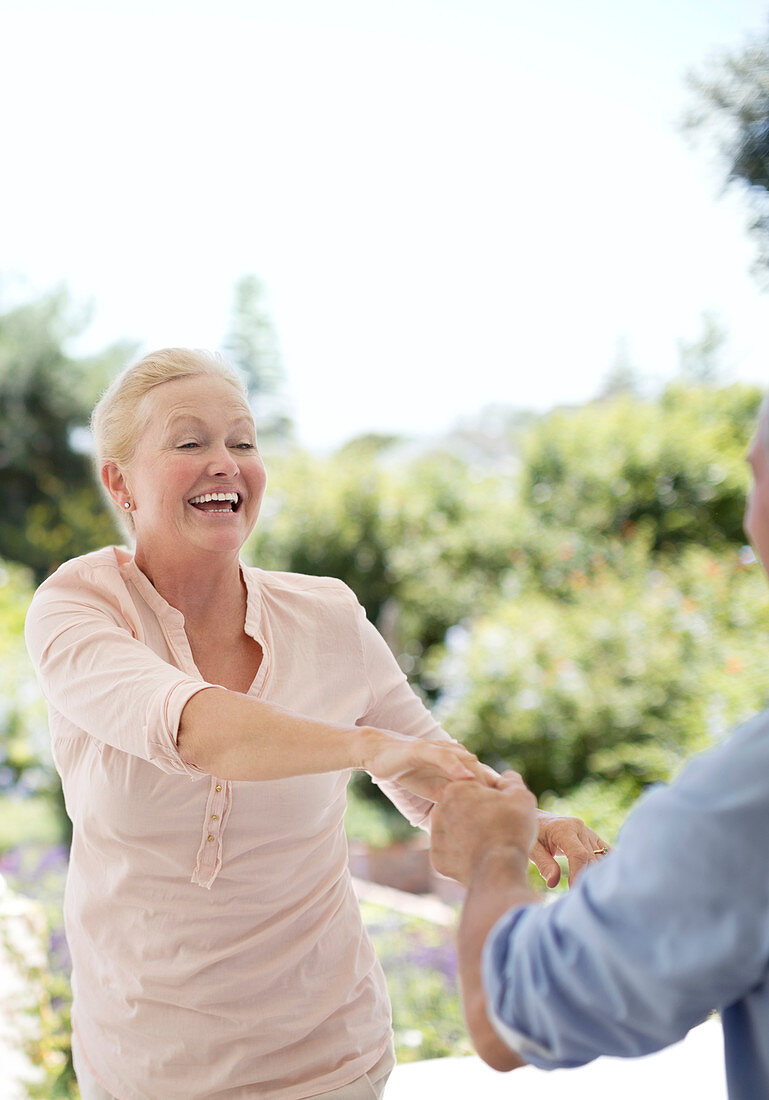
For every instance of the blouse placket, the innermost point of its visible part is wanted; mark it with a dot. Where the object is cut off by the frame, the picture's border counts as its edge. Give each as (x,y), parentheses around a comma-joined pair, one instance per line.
(208,861)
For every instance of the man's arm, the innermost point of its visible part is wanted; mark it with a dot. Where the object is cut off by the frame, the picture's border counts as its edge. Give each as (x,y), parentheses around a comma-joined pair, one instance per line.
(498,883)
(484,843)
(671,926)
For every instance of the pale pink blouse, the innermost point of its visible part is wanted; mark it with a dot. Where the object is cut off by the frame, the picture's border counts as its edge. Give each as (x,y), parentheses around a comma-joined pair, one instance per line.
(217,944)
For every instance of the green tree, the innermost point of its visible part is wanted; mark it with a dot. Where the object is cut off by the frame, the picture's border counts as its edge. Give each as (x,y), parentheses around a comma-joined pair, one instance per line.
(561,611)
(732,109)
(701,361)
(675,465)
(421,541)
(51,508)
(252,344)
(622,377)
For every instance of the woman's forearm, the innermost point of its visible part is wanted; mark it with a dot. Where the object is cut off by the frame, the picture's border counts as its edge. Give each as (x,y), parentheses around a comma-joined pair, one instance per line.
(235,736)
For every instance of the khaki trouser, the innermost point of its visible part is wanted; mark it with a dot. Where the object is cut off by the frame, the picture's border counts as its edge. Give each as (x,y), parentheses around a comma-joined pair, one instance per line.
(370,1086)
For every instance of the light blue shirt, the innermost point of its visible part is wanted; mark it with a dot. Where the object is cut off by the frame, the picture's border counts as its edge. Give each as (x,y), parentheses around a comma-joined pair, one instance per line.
(671,925)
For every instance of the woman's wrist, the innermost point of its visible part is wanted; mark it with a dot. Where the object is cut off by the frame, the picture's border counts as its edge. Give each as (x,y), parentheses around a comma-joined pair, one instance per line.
(368,743)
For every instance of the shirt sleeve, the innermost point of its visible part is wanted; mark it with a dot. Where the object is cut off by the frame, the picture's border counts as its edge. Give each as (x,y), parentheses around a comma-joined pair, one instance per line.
(395,706)
(100,677)
(667,928)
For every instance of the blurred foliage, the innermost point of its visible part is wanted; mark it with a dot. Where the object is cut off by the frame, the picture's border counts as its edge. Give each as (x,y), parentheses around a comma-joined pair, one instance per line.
(37,872)
(26,764)
(420,964)
(421,541)
(676,464)
(618,682)
(25,818)
(51,509)
(375,823)
(731,109)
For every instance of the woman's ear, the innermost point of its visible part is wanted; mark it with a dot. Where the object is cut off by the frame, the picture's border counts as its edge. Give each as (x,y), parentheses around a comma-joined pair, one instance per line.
(115,483)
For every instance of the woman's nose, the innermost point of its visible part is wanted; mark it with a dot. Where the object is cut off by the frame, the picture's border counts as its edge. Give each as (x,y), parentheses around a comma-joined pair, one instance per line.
(222,463)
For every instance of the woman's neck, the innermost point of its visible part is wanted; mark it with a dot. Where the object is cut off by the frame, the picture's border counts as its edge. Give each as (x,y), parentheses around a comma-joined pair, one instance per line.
(206,588)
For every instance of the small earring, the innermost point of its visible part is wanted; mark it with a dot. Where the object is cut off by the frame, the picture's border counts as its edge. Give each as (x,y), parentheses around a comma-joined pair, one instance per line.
(127,504)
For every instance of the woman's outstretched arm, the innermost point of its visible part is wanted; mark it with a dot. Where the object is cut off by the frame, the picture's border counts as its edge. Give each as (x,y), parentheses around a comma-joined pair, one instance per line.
(235,736)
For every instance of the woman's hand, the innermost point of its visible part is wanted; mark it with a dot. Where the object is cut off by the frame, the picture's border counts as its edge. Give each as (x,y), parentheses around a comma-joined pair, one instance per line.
(565,836)
(424,767)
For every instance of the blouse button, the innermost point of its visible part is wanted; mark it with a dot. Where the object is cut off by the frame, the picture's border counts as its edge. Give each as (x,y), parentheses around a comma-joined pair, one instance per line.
(218,786)
(210,837)
(214,817)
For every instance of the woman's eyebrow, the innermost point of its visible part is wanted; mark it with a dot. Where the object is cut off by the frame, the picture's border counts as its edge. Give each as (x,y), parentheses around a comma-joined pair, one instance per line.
(181,420)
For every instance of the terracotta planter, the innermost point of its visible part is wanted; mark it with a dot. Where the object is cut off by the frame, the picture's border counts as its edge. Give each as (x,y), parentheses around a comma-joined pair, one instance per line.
(404,865)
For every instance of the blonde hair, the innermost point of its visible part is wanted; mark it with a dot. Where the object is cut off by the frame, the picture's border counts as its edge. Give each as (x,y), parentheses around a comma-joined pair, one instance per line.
(121,414)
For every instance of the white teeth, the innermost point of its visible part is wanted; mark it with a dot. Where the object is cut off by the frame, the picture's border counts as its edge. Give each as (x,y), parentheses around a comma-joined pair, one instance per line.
(203,498)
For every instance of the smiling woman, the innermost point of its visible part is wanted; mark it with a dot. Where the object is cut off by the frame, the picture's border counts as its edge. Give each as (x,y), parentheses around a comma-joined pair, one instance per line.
(205,720)
(179,425)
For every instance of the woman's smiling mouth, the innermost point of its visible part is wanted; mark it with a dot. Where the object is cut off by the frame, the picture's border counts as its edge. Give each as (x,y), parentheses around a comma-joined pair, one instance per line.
(216,502)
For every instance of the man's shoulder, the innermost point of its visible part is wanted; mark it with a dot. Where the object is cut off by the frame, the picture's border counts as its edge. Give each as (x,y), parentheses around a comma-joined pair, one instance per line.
(740,761)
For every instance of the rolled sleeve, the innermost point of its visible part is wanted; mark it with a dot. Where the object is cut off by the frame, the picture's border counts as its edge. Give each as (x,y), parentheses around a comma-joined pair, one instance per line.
(100,678)
(395,706)
(572,981)
(669,927)
(494,966)
(161,735)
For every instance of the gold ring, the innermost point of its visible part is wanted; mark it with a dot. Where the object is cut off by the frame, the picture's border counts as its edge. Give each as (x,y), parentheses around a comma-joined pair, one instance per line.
(600,851)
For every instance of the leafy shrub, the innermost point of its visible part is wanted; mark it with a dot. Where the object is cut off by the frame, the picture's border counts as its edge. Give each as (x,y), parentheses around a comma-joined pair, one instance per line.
(421,543)
(677,463)
(620,682)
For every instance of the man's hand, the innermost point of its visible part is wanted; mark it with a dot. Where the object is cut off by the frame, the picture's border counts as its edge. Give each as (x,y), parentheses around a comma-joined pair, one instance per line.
(483,837)
(472,819)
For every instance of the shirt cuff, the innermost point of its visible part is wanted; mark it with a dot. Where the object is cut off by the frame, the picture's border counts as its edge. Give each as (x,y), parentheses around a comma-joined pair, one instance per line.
(161,735)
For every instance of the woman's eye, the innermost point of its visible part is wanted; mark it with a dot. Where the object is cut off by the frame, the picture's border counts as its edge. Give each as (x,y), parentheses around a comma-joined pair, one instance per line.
(184,446)
(244,446)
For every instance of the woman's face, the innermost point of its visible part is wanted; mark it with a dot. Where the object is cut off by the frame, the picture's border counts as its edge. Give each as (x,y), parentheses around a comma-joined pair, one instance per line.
(199,440)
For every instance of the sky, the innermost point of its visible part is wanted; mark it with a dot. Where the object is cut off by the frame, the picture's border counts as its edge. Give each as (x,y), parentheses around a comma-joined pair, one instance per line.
(451,203)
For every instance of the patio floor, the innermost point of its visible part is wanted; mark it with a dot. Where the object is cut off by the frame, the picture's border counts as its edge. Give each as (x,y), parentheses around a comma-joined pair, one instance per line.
(691,1068)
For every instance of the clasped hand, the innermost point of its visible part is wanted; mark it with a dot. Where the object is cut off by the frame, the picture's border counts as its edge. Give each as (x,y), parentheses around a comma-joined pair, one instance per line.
(473,819)
(478,809)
